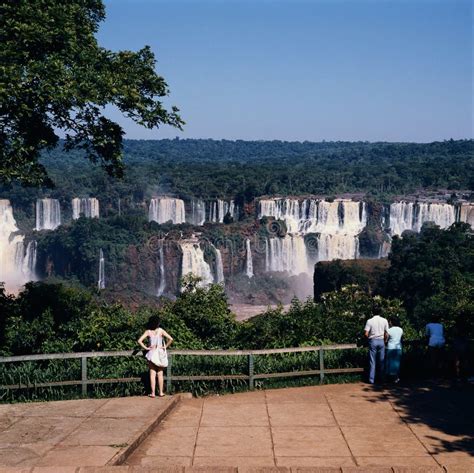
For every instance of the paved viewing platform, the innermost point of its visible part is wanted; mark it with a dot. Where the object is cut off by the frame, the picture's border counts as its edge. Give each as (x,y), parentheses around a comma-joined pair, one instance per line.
(331,428)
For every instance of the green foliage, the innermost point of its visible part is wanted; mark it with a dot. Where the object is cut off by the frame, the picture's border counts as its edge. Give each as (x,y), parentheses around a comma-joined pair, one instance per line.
(244,170)
(433,273)
(338,318)
(206,312)
(57,77)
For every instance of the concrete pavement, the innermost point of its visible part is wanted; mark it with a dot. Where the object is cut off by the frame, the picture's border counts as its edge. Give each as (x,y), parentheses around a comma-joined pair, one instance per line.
(349,428)
(89,432)
(349,425)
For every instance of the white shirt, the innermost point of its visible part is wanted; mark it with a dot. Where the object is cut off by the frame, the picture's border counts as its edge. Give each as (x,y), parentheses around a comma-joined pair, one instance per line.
(394,341)
(376,327)
(435,332)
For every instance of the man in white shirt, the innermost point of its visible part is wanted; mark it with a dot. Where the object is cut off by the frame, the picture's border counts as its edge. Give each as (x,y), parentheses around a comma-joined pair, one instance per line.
(376,330)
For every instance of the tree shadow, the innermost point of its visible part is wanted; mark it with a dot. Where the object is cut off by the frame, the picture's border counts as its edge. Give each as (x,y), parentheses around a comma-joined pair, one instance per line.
(443,410)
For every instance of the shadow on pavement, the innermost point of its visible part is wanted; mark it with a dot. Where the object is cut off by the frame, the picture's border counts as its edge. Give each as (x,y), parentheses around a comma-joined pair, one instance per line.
(441,414)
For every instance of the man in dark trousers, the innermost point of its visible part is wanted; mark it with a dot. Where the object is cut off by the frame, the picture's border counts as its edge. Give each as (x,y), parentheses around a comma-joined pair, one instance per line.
(376,330)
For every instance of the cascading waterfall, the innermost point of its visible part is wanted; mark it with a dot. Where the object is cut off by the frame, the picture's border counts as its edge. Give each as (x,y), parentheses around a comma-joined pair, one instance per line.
(164,209)
(17,266)
(198,212)
(337,224)
(466,214)
(29,261)
(88,206)
(193,262)
(162,285)
(219,277)
(48,214)
(248,262)
(412,216)
(337,246)
(219,209)
(101,281)
(287,254)
(443,215)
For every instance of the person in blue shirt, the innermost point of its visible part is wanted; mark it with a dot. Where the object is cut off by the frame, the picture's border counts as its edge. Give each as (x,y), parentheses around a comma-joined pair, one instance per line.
(393,355)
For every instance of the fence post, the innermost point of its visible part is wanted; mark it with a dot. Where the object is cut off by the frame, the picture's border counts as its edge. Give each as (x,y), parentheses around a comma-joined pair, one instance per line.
(321,365)
(251,379)
(84,376)
(168,374)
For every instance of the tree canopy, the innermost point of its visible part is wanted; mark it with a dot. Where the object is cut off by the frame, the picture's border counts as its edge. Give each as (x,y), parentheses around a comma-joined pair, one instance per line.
(56,78)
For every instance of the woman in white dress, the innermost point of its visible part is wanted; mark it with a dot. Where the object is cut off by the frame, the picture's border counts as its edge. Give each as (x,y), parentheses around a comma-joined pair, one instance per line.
(156,353)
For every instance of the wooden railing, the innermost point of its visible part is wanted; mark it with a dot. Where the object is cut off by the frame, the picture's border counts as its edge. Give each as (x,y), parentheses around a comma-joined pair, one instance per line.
(250,376)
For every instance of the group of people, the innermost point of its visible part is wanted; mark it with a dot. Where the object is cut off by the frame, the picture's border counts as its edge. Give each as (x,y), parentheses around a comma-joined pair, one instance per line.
(385,348)
(384,360)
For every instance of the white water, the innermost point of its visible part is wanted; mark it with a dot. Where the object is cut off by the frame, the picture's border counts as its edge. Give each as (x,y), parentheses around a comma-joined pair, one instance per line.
(337,246)
(88,206)
(466,214)
(317,216)
(48,214)
(17,266)
(162,285)
(198,212)
(248,262)
(219,277)
(193,262)
(287,254)
(337,224)
(164,209)
(218,209)
(101,281)
(412,216)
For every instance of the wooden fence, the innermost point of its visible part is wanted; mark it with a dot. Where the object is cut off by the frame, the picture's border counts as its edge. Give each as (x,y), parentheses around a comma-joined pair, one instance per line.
(249,376)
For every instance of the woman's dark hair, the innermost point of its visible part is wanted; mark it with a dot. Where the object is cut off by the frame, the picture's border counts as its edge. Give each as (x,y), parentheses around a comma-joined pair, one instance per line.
(395,320)
(153,322)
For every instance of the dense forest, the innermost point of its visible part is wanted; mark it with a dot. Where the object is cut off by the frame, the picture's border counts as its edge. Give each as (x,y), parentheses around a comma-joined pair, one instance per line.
(243,170)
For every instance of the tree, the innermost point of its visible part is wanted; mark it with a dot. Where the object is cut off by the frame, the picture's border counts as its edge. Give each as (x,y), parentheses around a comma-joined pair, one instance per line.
(55,77)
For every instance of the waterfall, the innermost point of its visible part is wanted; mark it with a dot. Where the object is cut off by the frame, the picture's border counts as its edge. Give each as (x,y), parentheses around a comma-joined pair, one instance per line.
(164,209)
(317,216)
(89,207)
(219,277)
(29,261)
(287,254)
(249,262)
(193,262)
(198,212)
(48,214)
(337,246)
(466,214)
(283,209)
(16,266)
(220,208)
(337,224)
(412,216)
(101,281)
(162,285)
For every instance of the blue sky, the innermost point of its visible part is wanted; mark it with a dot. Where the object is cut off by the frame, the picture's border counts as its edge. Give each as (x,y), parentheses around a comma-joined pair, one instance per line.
(312,70)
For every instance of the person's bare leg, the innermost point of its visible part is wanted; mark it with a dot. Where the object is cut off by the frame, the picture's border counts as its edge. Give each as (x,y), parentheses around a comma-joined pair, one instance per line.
(160,381)
(152,380)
